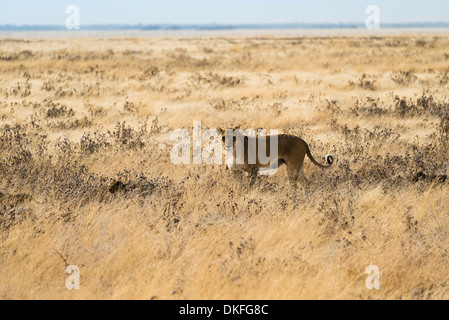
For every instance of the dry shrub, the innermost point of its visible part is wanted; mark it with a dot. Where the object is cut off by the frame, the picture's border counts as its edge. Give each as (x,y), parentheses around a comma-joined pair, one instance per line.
(444,126)
(58,111)
(21,89)
(212,80)
(403,78)
(366,84)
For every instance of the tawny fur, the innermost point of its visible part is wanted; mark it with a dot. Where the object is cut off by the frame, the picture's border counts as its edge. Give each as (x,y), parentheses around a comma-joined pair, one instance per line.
(291,152)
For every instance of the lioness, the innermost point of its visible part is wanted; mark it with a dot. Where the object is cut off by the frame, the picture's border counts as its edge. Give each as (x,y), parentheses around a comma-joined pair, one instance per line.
(291,151)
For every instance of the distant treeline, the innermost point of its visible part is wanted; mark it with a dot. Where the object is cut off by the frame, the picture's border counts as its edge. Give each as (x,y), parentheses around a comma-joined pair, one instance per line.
(155,27)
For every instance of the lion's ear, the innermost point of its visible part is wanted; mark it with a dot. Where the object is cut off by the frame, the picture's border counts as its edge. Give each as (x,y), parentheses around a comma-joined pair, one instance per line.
(221,130)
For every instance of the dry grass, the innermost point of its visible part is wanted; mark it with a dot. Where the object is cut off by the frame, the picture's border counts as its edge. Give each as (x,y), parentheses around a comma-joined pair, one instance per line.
(86,177)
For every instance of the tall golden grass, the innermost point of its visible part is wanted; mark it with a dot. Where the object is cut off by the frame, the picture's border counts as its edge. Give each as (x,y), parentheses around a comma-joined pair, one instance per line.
(78,116)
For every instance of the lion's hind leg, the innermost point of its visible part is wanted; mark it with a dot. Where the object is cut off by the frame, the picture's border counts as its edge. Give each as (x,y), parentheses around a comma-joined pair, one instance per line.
(303,179)
(294,174)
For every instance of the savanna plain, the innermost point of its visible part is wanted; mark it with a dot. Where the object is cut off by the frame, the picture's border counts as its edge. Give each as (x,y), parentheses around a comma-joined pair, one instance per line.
(86,177)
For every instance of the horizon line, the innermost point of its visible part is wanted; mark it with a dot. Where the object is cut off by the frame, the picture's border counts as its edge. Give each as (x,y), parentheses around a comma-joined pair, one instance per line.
(222,26)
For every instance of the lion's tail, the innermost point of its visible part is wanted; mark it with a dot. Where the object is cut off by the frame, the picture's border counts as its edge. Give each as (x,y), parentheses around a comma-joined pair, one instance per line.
(329,159)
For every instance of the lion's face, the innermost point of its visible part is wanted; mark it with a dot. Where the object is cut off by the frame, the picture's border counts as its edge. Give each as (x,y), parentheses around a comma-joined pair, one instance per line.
(229,143)
(228,140)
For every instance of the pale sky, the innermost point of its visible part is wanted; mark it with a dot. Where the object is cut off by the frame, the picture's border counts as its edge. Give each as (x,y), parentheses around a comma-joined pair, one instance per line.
(52,12)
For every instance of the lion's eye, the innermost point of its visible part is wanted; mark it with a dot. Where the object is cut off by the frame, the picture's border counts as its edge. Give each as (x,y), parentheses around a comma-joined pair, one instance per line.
(223,139)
